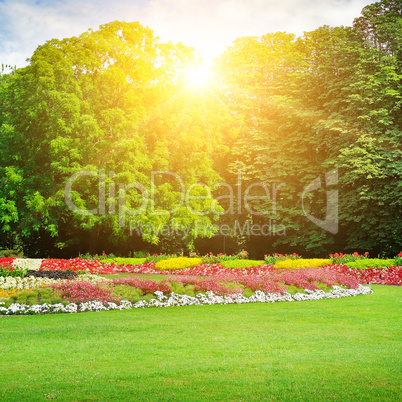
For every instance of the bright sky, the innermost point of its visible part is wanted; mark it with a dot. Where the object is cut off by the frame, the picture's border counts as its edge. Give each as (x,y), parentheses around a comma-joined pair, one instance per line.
(208,25)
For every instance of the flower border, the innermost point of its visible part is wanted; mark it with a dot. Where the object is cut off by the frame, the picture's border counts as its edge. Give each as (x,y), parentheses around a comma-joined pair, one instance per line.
(175,299)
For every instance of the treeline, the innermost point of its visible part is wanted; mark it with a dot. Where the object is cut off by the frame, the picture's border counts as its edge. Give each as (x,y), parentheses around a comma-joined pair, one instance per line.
(295,145)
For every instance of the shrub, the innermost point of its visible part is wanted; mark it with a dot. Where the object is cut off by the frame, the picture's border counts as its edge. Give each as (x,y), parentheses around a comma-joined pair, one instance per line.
(242,255)
(159,257)
(182,289)
(236,264)
(177,263)
(37,296)
(214,259)
(398,260)
(129,293)
(25,297)
(371,263)
(34,296)
(11,271)
(302,263)
(339,258)
(102,257)
(272,259)
(14,253)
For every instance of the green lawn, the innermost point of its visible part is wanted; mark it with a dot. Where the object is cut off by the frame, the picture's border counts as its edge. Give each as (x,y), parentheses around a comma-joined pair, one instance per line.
(345,349)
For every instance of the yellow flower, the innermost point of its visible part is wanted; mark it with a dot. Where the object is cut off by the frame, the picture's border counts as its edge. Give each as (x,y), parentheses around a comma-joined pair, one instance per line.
(177,263)
(303,263)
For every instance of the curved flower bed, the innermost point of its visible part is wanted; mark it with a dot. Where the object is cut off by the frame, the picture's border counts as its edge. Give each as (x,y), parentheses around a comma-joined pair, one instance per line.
(94,293)
(201,284)
(174,299)
(380,276)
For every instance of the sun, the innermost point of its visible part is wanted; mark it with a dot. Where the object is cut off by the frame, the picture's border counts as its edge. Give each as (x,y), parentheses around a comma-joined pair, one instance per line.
(199,76)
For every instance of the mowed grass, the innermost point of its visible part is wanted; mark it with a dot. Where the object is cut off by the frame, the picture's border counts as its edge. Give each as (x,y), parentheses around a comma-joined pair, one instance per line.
(345,349)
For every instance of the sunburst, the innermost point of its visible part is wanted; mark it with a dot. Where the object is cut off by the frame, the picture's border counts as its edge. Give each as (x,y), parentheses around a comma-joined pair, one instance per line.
(199,76)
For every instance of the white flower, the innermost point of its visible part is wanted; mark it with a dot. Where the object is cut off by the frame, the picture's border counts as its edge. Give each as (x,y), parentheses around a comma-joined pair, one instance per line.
(25,283)
(175,299)
(27,263)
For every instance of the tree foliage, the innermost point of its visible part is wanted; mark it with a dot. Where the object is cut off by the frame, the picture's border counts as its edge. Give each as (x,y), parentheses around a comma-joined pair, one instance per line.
(110,116)
(82,108)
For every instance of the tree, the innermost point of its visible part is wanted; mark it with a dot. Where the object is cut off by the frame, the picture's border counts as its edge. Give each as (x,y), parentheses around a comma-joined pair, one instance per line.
(327,100)
(92,117)
(381,25)
(74,119)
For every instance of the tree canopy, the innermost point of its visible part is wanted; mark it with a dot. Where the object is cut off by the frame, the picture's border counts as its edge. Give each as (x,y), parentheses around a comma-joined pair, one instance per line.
(104,145)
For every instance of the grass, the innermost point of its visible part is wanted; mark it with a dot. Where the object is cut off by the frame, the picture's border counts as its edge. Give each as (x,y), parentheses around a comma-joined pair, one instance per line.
(344,349)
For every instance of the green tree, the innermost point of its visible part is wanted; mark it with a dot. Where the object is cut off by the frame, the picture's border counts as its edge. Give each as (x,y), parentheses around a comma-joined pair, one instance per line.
(79,109)
(329,99)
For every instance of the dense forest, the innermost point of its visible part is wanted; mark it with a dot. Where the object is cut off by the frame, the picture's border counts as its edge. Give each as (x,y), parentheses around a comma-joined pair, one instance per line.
(294,144)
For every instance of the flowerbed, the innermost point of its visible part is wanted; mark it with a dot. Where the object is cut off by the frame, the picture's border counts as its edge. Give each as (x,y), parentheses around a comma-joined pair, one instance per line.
(31,282)
(78,264)
(302,263)
(371,263)
(5,262)
(378,276)
(74,285)
(161,300)
(387,276)
(58,296)
(236,264)
(27,263)
(172,264)
(220,284)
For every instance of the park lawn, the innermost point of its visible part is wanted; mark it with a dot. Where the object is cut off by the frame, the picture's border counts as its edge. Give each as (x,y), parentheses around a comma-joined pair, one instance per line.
(342,349)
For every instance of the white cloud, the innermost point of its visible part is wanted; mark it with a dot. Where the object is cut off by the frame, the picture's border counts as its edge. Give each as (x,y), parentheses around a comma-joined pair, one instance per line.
(211,25)
(208,25)
(24,24)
